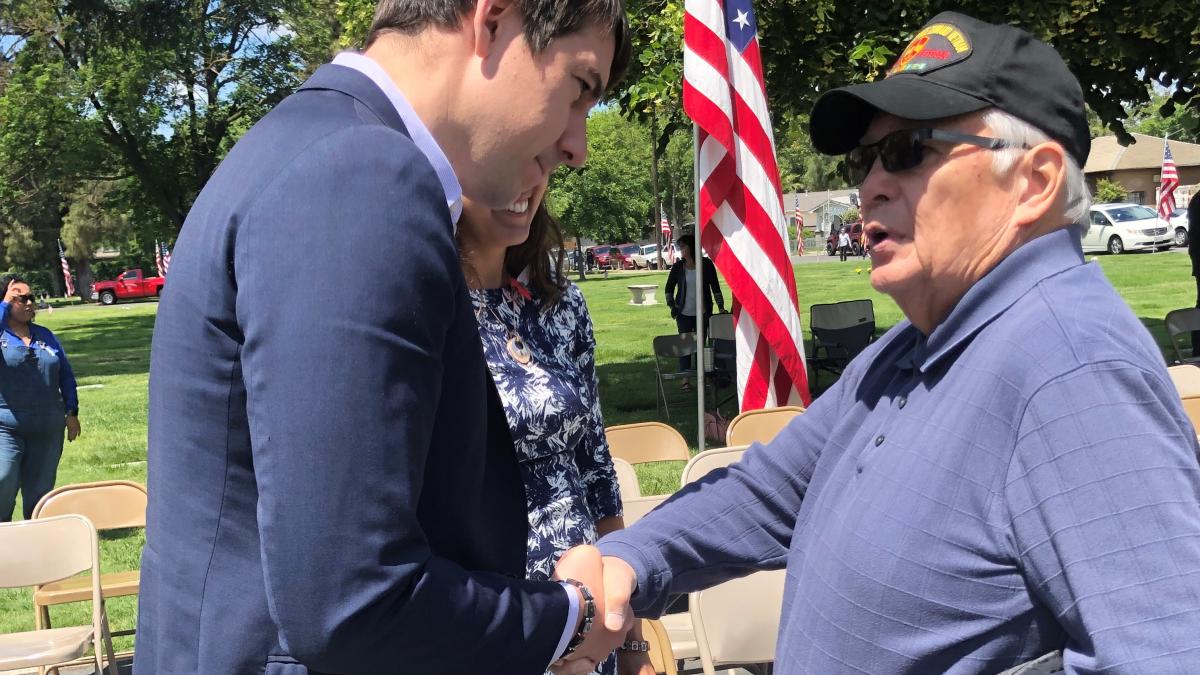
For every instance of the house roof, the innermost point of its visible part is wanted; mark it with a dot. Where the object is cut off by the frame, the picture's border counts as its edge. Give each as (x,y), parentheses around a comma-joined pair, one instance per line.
(810,201)
(1146,153)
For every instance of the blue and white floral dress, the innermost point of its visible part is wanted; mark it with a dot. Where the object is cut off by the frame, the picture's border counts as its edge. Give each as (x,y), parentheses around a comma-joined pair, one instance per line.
(554,414)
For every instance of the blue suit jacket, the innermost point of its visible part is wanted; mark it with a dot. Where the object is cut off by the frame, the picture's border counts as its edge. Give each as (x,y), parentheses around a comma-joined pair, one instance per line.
(344,505)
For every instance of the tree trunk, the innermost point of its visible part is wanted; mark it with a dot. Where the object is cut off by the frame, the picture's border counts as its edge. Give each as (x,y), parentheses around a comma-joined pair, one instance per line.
(580,260)
(654,186)
(83,279)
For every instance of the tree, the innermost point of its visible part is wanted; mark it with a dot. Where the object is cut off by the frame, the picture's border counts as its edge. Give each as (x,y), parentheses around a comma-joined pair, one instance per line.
(1108,191)
(165,87)
(1116,48)
(609,199)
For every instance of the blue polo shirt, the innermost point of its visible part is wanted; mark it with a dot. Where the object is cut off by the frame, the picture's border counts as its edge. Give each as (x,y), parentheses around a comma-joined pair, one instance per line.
(1023,479)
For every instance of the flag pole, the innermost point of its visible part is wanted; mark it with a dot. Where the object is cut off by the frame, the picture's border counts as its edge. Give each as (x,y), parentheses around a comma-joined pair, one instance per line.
(698,256)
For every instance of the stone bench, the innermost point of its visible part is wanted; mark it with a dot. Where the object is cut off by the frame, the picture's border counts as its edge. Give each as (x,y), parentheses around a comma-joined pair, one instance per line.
(643,294)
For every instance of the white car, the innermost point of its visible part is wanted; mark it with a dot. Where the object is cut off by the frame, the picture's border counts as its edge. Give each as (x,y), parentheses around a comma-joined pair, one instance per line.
(1179,222)
(1117,228)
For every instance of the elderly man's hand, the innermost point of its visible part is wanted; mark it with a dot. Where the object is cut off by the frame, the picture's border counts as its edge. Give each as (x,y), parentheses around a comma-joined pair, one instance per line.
(611,581)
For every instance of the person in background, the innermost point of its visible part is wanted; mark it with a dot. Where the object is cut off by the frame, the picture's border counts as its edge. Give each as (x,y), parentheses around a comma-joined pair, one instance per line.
(38,400)
(681,293)
(844,243)
(541,353)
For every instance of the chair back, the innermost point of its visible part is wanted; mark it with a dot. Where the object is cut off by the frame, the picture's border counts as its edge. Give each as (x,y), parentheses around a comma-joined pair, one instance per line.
(720,327)
(736,622)
(846,327)
(42,551)
(627,479)
(1191,406)
(662,658)
(674,346)
(110,504)
(760,426)
(710,460)
(636,508)
(646,442)
(1186,378)
(1180,323)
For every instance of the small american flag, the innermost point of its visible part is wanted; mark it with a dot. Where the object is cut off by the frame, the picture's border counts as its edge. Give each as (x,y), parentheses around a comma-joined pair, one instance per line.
(1170,181)
(62,256)
(158,257)
(741,216)
(166,259)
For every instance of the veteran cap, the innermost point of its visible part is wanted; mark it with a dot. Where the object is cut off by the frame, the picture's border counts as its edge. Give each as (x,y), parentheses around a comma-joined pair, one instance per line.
(957,65)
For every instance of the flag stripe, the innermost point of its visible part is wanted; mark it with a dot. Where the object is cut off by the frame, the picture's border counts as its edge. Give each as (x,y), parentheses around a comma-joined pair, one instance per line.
(741,216)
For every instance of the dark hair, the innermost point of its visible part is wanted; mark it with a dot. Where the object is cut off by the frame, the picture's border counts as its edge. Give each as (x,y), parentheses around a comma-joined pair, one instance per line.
(542,255)
(545,20)
(1194,212)
(688,240)
(10,278)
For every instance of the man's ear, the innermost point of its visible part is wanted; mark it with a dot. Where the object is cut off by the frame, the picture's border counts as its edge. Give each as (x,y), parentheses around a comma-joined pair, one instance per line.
(485,21)
(1040,179)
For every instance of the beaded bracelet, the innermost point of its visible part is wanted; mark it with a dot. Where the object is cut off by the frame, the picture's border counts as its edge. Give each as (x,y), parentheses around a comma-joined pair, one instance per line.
(635,646)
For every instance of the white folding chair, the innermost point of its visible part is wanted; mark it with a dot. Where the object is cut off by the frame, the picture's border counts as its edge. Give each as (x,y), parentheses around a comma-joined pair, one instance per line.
(37,552)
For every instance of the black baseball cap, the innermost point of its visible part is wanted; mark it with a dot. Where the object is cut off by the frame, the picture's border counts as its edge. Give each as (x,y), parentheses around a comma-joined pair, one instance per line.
(956,65)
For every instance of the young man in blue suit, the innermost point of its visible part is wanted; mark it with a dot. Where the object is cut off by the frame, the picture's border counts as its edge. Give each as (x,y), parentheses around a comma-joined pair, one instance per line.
(333,488)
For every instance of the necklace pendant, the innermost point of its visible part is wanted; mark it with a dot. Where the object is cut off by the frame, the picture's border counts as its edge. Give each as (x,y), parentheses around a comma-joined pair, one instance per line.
(519,351)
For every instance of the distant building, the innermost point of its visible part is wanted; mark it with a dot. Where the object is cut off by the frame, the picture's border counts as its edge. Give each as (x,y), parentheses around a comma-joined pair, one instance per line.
(820,210)
(1137,167)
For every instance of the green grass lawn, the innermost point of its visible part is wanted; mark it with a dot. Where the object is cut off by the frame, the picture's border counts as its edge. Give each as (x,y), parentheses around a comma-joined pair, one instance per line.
(109,348)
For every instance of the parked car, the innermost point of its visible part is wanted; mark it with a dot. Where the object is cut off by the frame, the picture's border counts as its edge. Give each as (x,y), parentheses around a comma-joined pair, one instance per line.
(1117,228)
(1179,223)
(625,253)
(131,284)
(856,228)
(602,257)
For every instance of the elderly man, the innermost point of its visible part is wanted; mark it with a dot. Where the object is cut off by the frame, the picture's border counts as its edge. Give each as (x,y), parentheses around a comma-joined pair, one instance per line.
(1006,473)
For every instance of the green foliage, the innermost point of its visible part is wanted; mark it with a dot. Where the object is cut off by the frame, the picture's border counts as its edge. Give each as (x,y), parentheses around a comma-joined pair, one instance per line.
(851,215)
(1108,191)
(609,199)
(1116,48)
(143,96)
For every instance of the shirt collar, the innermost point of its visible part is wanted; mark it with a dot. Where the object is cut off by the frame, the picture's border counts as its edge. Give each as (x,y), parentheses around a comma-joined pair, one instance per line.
(998,290)
(416,128)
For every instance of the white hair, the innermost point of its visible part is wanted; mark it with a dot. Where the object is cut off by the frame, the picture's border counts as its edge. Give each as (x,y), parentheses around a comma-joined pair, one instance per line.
(1011,128)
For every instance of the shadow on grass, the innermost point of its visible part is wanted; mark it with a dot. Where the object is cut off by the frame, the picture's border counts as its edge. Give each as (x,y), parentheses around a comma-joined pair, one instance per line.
(109,345)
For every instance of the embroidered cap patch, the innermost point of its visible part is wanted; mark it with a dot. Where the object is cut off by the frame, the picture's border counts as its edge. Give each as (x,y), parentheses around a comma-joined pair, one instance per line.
(936,46)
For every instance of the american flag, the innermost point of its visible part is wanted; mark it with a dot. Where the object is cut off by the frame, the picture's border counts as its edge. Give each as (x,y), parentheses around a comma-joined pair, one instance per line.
(799,228)
(158,257)
(166,258)
(664,226)
(1170,181)
(741,216)
(62,256)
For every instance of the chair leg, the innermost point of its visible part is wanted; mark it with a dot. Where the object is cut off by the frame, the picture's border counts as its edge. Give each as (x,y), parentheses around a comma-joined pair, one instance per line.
(41,621)
(106,633)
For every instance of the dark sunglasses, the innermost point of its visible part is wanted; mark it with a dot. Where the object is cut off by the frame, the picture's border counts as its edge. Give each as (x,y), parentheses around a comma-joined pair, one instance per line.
(24,298)
(905,149)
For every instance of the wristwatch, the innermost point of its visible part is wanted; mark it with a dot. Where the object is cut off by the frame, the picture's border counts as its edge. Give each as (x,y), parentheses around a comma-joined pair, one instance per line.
(589,613)
(634,646)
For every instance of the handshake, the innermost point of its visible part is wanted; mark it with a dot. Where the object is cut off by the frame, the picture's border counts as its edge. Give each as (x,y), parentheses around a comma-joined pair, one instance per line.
(611,581)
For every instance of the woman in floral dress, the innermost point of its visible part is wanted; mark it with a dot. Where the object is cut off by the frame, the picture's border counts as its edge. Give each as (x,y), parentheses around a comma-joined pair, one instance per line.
(537,339)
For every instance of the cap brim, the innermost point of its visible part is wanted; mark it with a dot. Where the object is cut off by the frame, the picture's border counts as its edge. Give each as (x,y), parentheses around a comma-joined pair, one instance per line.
(841,116)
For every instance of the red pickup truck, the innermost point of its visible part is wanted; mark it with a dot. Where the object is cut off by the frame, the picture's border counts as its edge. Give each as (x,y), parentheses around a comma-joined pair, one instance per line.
(131,284)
